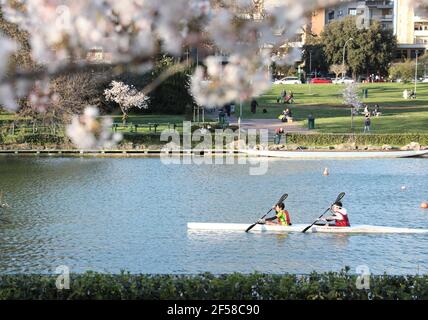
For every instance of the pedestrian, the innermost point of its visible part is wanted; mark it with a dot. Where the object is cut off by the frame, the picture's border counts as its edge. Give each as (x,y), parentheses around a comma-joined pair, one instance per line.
(278,134)
(228,108)
(367,123)
(254,105)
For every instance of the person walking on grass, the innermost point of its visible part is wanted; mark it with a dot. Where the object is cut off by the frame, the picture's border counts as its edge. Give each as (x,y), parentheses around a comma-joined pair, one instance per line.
(367,123)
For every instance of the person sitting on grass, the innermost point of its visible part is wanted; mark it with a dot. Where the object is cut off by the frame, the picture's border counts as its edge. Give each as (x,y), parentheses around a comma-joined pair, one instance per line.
(281,216)
(366,110)
(376,111)
(289,99)
(282,96)
(286,115)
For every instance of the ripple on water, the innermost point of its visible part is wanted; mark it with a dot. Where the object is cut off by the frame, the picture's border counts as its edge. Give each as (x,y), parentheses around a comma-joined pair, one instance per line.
(113,214)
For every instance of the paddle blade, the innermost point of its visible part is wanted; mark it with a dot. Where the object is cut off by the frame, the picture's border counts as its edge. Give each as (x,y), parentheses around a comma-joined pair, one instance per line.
(250,227)
(306,229)
(282,199)
(340,196)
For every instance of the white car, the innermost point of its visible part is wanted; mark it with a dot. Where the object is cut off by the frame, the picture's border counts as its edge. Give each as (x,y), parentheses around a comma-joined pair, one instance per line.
(425,80)
(288,80)
(344,80)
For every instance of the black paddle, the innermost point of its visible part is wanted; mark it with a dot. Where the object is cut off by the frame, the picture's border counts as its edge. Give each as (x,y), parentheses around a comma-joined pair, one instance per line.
(283,197)
(339,197)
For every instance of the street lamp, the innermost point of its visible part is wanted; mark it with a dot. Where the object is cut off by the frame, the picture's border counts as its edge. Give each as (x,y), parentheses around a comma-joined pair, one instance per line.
(416,70)
(343,61)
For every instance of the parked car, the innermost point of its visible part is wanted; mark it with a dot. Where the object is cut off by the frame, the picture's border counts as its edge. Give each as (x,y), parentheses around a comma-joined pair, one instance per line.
(345,80)
(425,80)
(288,80)
(321,80)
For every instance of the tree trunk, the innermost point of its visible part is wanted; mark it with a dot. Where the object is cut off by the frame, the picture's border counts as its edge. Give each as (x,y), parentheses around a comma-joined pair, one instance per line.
(124,115)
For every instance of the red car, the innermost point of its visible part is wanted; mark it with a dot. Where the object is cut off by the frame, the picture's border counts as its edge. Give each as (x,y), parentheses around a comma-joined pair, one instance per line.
(321,80)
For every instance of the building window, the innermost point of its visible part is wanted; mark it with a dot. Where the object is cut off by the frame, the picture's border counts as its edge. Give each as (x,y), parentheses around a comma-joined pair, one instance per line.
(352,11)
(331,15)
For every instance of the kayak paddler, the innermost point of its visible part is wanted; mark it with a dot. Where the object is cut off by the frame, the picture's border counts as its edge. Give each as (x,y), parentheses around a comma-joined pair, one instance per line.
(338,217)
(281,216)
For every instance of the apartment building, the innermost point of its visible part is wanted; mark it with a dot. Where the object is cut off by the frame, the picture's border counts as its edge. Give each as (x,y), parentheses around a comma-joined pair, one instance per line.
(411,29)
(409,24)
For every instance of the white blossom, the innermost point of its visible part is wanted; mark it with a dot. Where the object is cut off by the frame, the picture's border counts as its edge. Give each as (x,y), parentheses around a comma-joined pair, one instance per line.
(126,96)
(88,131)
(41,96)
(7,47)
(7,97)
(240,79)
(350,96)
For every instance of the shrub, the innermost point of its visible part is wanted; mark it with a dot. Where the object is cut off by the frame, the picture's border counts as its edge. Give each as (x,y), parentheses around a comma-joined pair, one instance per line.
(332,286)
(326,139)
(40,138)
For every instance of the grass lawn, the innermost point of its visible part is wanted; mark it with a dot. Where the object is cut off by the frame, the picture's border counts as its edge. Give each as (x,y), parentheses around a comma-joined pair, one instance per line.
(163,120)
(6,116)
(150,118)
(325,103)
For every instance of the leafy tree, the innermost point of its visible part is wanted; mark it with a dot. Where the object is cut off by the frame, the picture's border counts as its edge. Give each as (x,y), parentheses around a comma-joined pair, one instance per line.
(280,70)
(314,55)
(405,71)
(370,51)
(172,95)
(423,63)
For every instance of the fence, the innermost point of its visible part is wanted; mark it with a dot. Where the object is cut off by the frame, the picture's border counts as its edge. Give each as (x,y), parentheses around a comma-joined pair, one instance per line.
(29,127)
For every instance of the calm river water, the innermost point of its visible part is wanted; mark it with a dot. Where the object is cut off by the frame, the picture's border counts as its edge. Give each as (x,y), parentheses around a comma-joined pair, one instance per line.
(113,214)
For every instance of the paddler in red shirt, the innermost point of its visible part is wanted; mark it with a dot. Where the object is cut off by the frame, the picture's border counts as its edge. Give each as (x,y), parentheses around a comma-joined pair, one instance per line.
(338,217)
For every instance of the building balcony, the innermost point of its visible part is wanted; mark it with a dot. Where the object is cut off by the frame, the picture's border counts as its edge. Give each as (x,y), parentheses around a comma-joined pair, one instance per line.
(380,4)
(388,17)
(421,33)
(421,40)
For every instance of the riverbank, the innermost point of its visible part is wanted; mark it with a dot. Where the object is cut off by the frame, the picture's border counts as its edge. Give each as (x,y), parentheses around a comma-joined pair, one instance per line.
(316,286)
(288,142)
(297,154)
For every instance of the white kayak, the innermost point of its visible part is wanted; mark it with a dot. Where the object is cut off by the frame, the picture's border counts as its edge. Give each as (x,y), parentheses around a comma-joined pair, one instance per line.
(299,228)
(334,154)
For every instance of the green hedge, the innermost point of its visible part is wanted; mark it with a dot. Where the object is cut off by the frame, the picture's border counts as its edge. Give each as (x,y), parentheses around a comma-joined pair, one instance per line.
(326,139)
(40,138)
(207,286)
